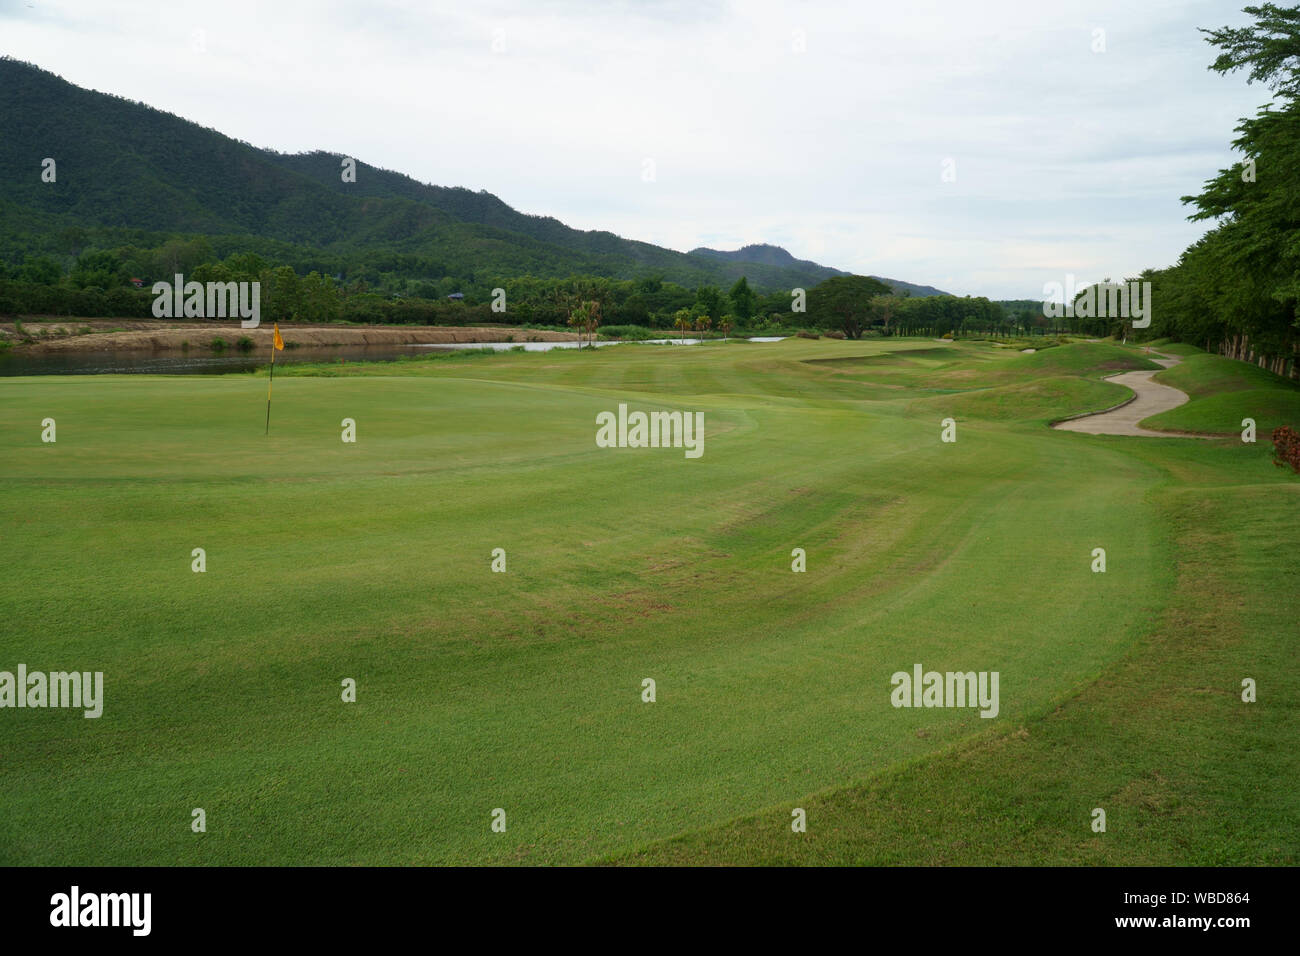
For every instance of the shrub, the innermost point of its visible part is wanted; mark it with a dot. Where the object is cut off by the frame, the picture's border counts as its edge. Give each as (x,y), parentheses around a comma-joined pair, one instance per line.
(1286,448)
(805,334)
(835,334)
(631,333)
(767,326)
(218,345)
(245,344)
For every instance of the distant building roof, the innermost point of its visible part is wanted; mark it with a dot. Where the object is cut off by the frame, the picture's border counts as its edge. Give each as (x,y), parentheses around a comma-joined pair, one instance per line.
(456,295)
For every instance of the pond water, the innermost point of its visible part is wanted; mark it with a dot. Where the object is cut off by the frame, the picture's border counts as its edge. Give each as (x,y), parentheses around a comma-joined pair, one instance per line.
(548,346)
(204,362)
(193,362)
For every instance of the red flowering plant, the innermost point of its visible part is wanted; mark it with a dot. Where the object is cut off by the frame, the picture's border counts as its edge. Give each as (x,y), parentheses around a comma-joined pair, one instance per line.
(1286,448)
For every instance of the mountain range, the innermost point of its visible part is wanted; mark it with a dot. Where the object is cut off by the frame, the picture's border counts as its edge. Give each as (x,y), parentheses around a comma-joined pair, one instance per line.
(130,174)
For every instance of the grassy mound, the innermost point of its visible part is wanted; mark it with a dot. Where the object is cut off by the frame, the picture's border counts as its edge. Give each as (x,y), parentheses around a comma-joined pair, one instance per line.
(1223,414)
(1223,392)
(1078,358)
(1175,348)
(1203,374)
(1038,400)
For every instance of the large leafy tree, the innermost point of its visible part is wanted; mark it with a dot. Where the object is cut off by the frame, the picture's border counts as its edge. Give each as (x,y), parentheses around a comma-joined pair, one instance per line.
(1269,48)
(845,303)
(1246,271)
(708,301)
(742,300)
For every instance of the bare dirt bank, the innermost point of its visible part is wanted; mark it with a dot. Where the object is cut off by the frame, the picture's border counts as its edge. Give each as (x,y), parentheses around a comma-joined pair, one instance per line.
(126,334)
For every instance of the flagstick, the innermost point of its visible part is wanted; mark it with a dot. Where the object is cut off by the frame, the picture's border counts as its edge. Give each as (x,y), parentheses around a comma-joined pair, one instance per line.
(268,390)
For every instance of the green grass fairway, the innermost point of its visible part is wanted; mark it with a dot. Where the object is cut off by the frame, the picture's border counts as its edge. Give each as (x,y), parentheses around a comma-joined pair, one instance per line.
(522,690)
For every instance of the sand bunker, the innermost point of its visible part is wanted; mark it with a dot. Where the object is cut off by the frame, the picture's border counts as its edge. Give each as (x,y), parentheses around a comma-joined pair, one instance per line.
(1151,398)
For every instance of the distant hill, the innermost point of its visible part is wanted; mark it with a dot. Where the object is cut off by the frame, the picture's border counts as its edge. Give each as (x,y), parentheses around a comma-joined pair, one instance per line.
(916,291)
(764,254)
(138,175)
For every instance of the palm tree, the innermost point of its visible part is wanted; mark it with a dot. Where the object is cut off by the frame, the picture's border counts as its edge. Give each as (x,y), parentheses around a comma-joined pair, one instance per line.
(593,321)
(702,325)
(725,326)
(682,321)
(578,319)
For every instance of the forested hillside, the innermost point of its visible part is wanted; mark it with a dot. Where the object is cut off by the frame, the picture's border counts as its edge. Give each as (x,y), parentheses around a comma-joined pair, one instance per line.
(144,193)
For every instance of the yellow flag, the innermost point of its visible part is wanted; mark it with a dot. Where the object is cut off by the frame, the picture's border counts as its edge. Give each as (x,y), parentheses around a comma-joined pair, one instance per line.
(279,342)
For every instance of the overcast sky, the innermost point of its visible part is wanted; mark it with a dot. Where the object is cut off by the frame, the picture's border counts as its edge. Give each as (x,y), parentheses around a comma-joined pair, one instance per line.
(822,127)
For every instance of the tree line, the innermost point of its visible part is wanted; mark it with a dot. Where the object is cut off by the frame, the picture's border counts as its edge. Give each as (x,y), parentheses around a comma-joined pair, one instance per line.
(99,282)
(117,282)
(1235,290)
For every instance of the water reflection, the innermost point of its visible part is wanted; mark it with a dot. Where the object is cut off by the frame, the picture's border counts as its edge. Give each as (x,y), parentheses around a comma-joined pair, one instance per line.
(204,362)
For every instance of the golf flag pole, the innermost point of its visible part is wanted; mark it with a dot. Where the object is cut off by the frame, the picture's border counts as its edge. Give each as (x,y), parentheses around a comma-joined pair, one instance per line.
(277,345)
